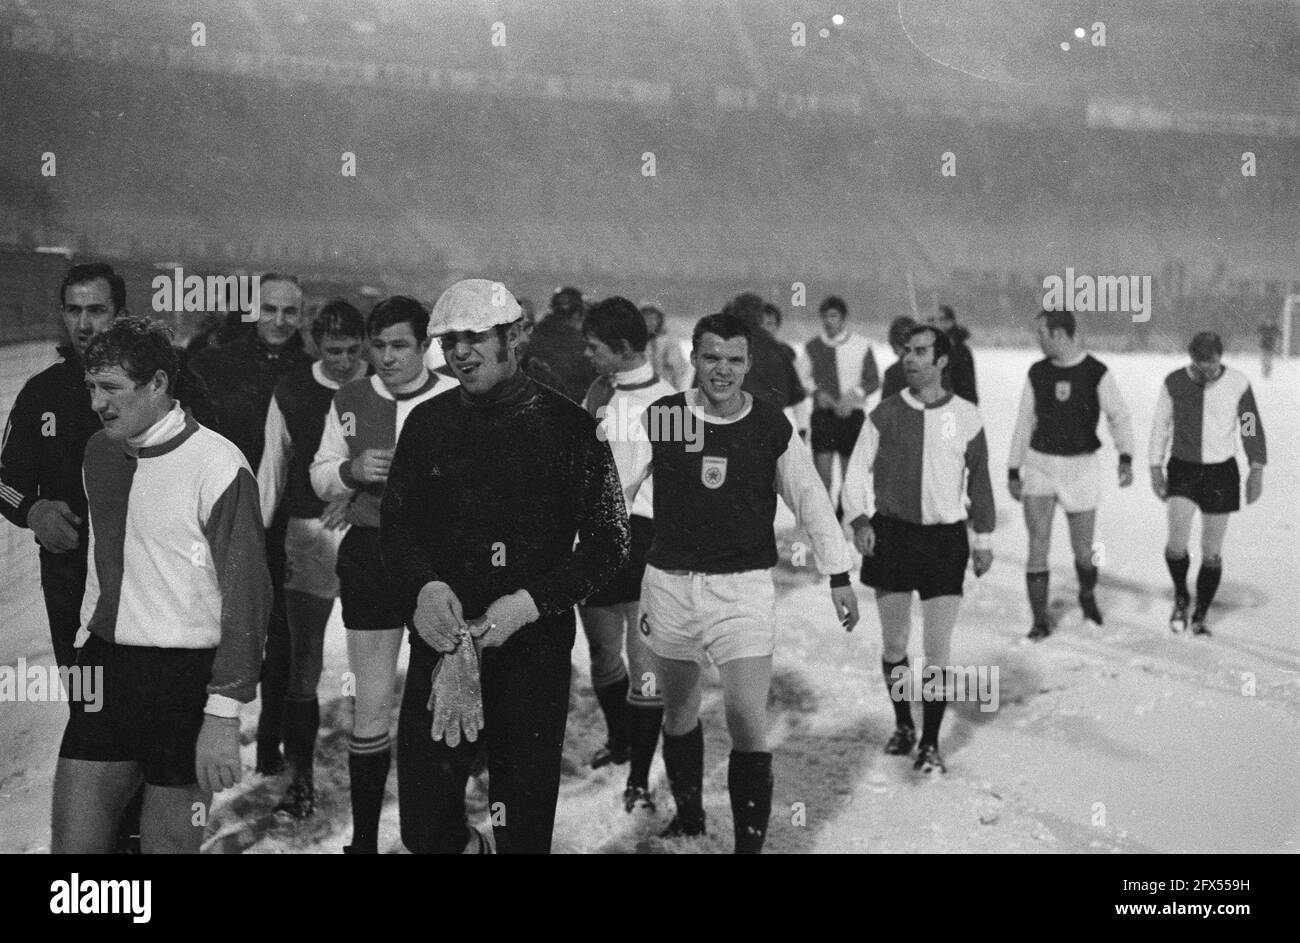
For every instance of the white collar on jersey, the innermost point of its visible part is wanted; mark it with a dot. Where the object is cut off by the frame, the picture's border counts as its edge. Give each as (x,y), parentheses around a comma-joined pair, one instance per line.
(162,430)
(841,338)
(695,399)
(641,374)
(318,373)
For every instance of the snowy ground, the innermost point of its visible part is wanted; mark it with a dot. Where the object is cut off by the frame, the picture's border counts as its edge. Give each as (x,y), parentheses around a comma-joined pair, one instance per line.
(1112,739)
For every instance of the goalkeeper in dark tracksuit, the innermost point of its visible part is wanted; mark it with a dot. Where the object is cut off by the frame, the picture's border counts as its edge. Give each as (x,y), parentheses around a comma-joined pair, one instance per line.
(488,488)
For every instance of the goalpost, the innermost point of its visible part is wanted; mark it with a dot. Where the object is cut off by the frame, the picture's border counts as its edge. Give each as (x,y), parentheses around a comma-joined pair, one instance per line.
(1291,303)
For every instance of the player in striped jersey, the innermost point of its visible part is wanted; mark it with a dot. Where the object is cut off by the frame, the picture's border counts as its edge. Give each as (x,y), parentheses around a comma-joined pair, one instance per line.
(719,456)
(903,494)
(1056,442)
(294,423)
(1202,409)
(616,336)
(353,460)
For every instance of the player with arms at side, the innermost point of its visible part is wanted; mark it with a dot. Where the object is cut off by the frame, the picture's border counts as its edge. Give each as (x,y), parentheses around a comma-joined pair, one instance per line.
(175,610)
(920,455)
(1201,410)
(708,593)
(1054,448)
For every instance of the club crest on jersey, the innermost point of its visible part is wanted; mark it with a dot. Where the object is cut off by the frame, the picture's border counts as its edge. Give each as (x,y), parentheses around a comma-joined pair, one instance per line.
(713,472)
(1062,391)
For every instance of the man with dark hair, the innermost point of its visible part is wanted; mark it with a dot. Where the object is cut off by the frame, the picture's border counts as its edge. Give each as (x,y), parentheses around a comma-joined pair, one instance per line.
(913,538)
(895,380)
(352,463)
(175,606)
(489,487)
(626,384)
(1202,409)
(294,423)
(844,374)
(708,594)
(1055,447)
(241,377)
(771,374)
(556,342)
(960,375)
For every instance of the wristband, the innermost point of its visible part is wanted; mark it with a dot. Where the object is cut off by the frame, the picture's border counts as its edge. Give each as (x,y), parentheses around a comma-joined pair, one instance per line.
(982,541)
(840,580)
(1013,474)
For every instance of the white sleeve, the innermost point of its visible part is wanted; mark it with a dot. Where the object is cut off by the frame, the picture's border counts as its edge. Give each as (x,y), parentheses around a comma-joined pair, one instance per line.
(1162,428)
(1117,415)
(326,479)
(1026,422)
(634,460)
(802,489)
(274,468)
(858,496)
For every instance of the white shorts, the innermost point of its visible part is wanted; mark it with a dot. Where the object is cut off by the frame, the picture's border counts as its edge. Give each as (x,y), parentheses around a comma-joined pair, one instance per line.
(1074,480)
(704,617)
(311,553)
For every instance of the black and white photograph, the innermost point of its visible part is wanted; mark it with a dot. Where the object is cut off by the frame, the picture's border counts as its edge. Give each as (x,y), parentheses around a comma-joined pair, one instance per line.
(652,427)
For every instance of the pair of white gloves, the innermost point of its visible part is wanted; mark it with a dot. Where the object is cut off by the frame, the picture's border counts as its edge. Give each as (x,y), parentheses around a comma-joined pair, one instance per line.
(456,700)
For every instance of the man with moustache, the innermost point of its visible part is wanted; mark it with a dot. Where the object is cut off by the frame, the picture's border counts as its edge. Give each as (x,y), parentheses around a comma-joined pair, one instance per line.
(488,488)
(241,376)
(175,606)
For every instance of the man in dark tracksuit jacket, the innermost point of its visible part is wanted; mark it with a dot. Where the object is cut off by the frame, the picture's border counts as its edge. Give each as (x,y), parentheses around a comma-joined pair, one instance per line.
(45,438)
(241,377)
(488,488)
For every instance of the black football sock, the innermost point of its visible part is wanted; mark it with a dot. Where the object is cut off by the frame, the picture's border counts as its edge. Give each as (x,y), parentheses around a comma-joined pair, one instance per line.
(749,782)
(1037,586)
(644,722)
(1178,570)
(301,724)
(272,688)
(902,706)
(612,698)
(1207,583)
(368,763)
(684,760)
(932,712)
(1087,574)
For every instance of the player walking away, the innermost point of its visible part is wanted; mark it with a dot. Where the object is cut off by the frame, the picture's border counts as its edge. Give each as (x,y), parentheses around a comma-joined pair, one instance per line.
(1201,410)
(1269,336)
(489,487)
(663,351)
(895,381)
(616,346)
(1054,458)
(800,413)
(175,606)
(707,592)
(903,494)
(295,421)
(557,343)
(771,375)
(960,376)
(352,462)
(844,376)
(241,376)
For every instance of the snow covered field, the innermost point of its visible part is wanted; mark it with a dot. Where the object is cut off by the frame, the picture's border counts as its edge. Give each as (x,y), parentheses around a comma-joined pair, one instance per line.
(1113,739)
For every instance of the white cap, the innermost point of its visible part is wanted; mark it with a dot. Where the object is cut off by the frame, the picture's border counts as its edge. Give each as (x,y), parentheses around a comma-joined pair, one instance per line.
(473,304)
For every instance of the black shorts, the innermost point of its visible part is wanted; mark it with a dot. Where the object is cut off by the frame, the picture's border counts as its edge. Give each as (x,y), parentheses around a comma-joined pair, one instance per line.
(830,433)
(1215,489)
(370,601)
(929,559)
(625,586)
(150,709)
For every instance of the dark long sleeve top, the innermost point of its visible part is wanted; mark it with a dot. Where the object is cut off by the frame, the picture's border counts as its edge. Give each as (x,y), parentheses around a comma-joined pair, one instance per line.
(489,496)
